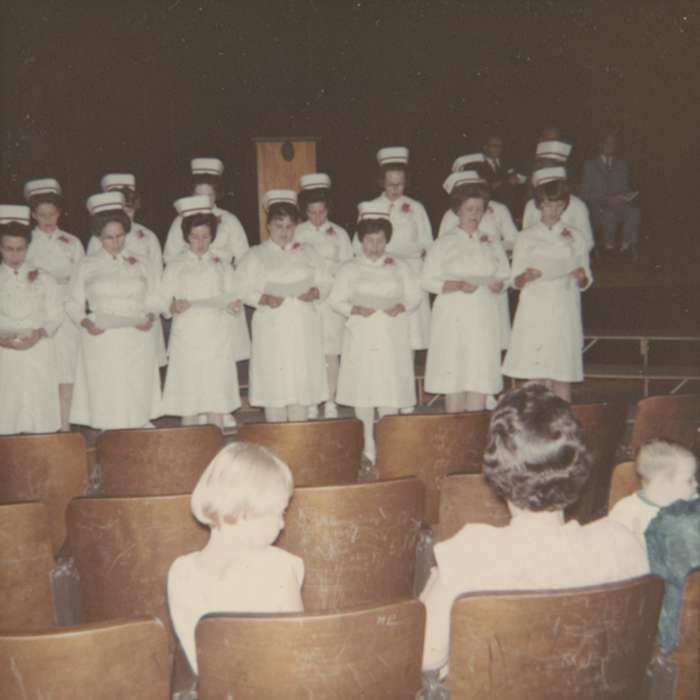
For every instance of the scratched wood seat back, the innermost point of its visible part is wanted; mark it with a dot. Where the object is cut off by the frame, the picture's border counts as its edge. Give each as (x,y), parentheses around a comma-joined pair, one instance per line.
(50,468)
(593,643)
(468,498)
(674,417)
(603,428)
(26,563)
(357,541)
(319,452)
(372,653)
(156,462)
(103,661)
(430,447)
(686,655)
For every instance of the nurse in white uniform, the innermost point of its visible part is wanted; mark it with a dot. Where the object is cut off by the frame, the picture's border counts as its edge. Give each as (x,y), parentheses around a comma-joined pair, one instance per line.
(140,241)
(114,298)
(551,267)
(284,280)
(199,290)
(56,253)
(31,311)
(467,269)
(554,154)
(333,244)
(376,291)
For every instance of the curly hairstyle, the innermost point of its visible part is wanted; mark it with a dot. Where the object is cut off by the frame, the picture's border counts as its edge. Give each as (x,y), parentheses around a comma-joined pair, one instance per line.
(101,219)
(190,222)
(374,226)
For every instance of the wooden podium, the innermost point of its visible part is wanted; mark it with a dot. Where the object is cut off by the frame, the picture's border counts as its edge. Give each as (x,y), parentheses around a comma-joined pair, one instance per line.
(281,161)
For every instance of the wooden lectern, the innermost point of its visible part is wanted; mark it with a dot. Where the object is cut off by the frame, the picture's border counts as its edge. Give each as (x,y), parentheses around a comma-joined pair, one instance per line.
(281,161)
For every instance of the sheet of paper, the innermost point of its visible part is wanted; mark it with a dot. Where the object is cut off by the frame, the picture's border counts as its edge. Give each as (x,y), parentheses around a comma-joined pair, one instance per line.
(109,321)
(552,268)
(288,289)
(377,303)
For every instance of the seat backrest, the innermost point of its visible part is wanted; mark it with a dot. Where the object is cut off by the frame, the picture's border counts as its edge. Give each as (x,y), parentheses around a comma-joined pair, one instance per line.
(50,468)
(26,562)
(156,462)
(357,541)
(675,417)
(430,447)
(372,653)
(603,427)
(625,481)
(468,498)
(687,652)
(592,642)
(117,659)
(319,452)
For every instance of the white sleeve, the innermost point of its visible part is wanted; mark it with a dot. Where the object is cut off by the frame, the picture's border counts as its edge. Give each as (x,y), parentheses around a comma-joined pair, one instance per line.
(446,223)
(431,276)
(168,288)
(251,278)
(339,298)
(175,242)
(54,312)
(185,610)
(531,215)
(75,304)
(239,242)
(425,230)
(93,245)
(345,251)
(507,228)
(411,287)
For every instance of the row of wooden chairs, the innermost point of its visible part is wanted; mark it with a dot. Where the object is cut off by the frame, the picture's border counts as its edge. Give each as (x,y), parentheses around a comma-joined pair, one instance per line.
(593,642)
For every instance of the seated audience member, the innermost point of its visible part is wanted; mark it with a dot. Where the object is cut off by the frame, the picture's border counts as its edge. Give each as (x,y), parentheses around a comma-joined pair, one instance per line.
(667,471)
(606,188)
(241,497)
(537,461)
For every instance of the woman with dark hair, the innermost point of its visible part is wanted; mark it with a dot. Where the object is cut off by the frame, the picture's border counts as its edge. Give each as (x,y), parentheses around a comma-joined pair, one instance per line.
(376,292)
(551,267)
(467,270)
(31,311)
(199,289)
(283,280)
(536,460)
(56,253)
(114,298)
(332,243)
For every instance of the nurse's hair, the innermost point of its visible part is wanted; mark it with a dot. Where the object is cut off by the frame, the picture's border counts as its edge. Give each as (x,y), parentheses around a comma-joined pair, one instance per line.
(214,181)
(389,167)
(536,457)
(102,218)
(367,226)
(190,222)
(282,210)
(131,197)
(462,193)
(553,191)
(661,458)
(37,200)
(314,196)
(15,229)
(243,480)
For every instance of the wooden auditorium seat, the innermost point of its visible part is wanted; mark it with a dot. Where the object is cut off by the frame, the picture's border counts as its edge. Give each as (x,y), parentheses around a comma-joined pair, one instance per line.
(155,462)
(319,452)
(603,428)
(372,653)
(686,655)
(357,541)
(26,563)
(51,468)
(123,549)
(592,642)
(675,417)
(625,481)
(468,498)
(430,447)
(103,661)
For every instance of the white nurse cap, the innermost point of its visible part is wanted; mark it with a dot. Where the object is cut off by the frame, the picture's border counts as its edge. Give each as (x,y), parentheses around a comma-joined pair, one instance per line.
(14,212)
(279,197)
(115,181)
(105,201)
(545,175)
(466,177)
(376,209)
(196,204)
(46,186)
(315,181)
(206,166)
(392,154)
(553,150)
(462,161)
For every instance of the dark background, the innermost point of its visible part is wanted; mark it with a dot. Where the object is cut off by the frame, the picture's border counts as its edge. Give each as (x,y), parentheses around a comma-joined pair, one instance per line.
(142,86)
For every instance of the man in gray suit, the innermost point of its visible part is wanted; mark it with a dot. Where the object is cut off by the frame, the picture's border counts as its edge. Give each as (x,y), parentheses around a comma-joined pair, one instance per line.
(606,189)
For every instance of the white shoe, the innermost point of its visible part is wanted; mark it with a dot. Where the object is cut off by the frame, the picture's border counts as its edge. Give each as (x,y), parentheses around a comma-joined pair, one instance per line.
(229,421)
(330,409)
(313,412)
(406,411)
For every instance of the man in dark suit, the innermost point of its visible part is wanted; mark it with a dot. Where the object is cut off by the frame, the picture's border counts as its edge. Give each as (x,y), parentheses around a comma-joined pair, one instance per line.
(606,189)
(506,184)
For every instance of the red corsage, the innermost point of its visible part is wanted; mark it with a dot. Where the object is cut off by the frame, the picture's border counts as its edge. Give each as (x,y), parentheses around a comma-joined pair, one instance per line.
(216,259)
(405,207)
(484,239)
(140,233)
(330,231)
(64,239)
(296,246)
(389,261)
(566,233)
(32,275)
(131,260)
